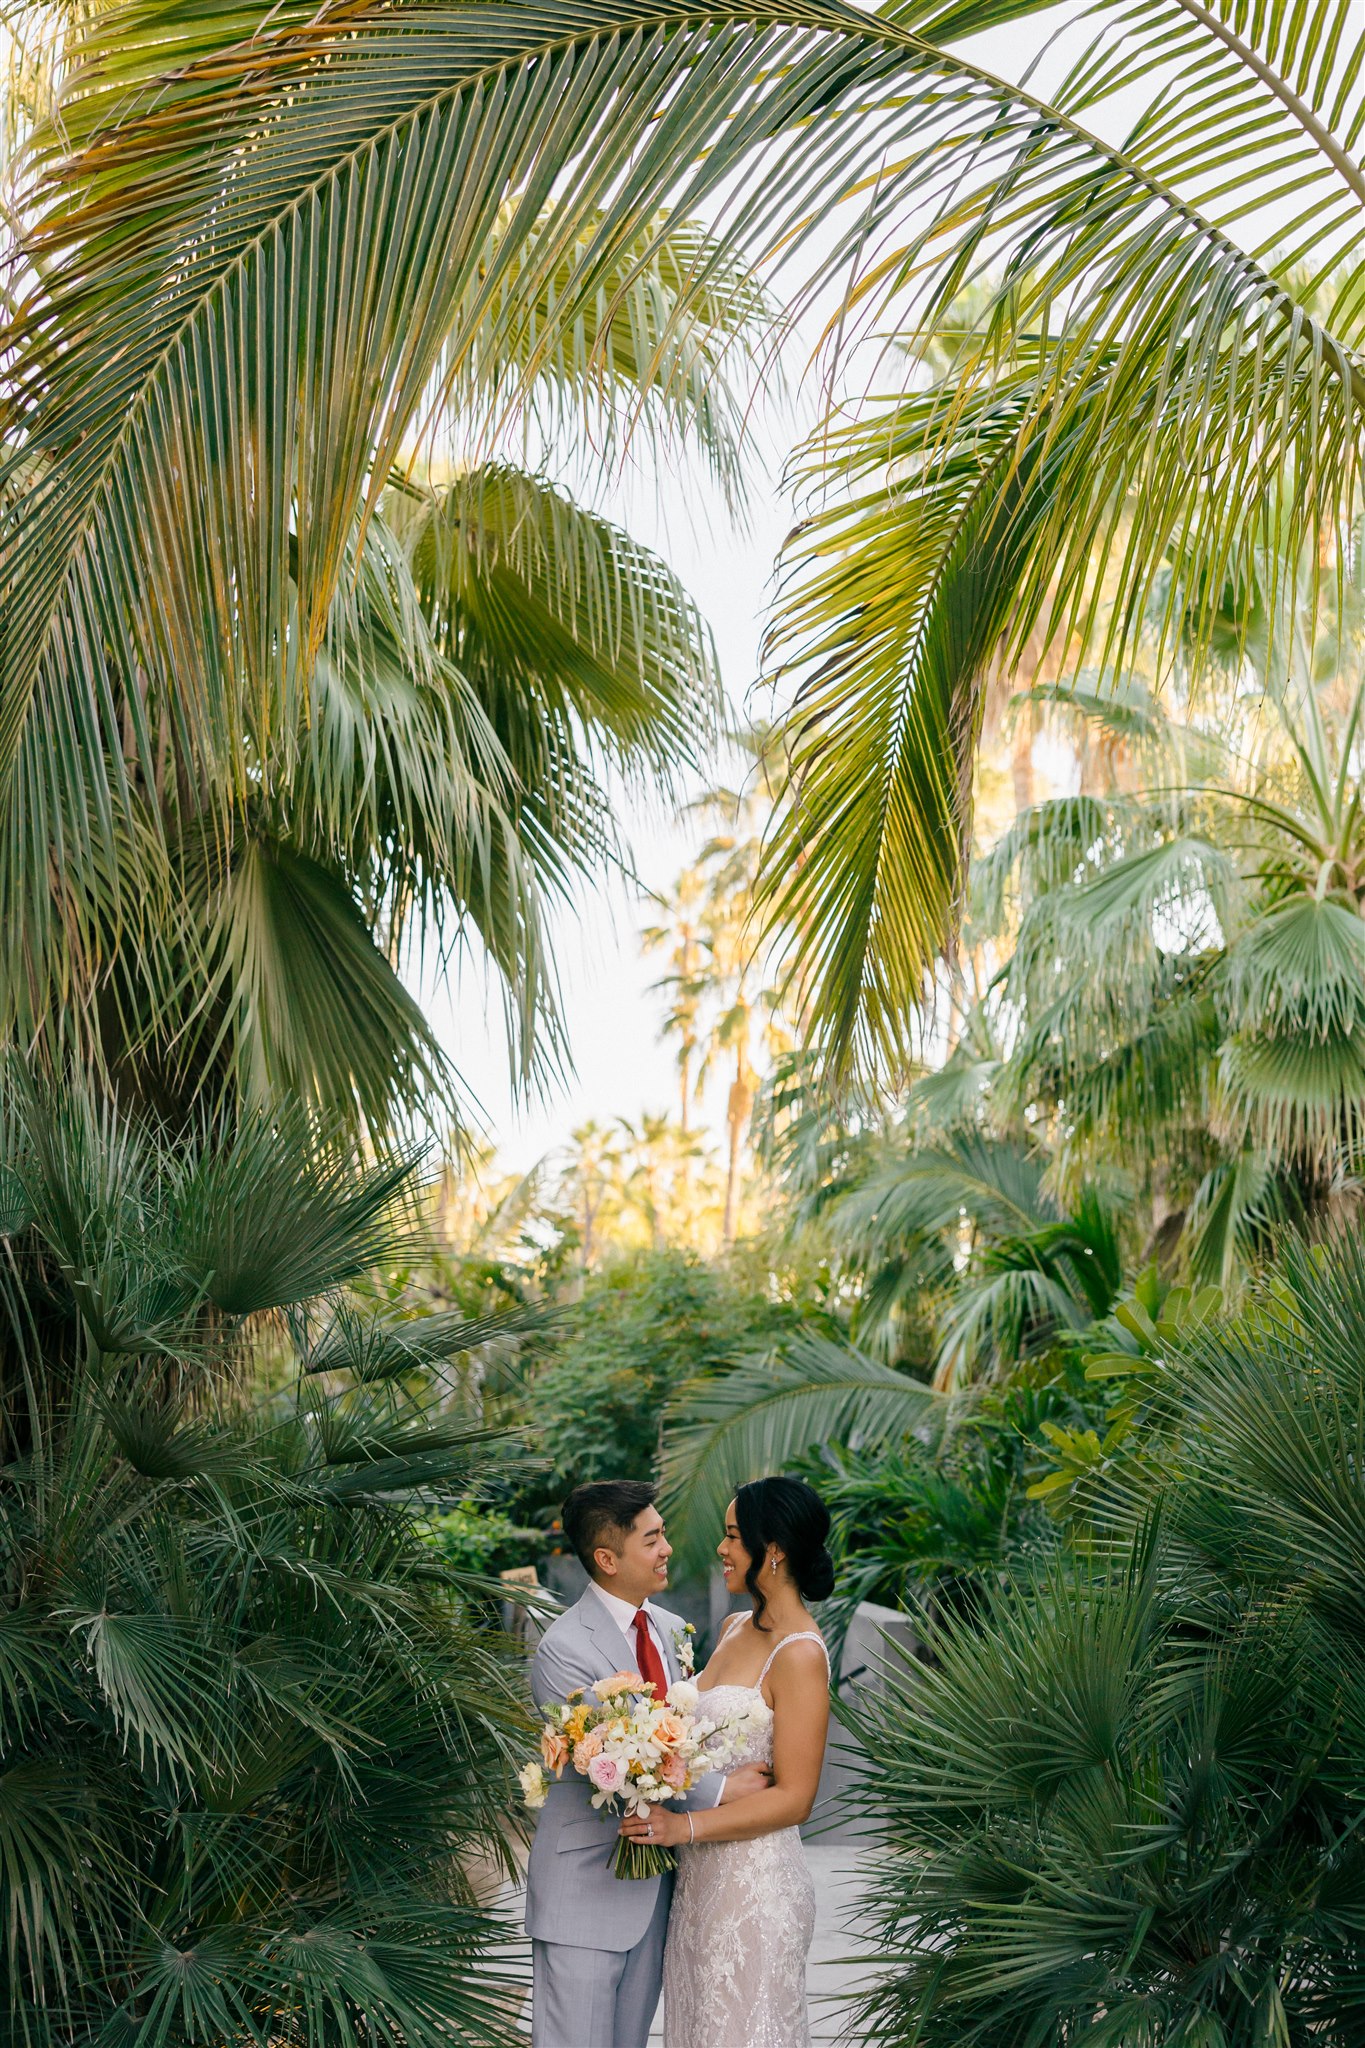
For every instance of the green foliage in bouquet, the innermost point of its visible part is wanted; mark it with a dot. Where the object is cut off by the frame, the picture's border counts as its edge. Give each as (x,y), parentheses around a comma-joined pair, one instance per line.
(253,1734)
(1126,1805)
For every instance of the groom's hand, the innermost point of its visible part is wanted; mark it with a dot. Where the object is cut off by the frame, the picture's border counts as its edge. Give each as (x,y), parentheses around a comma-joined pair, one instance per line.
(743,1783)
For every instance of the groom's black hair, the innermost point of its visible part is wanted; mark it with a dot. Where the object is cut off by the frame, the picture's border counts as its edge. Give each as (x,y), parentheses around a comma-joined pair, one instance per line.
(602,1509)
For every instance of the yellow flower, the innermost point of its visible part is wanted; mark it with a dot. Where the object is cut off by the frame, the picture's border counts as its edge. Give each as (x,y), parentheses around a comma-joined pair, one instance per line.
(532,1785)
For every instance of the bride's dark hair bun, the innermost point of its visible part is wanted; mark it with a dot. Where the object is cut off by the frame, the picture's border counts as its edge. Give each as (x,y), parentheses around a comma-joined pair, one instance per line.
(792,1515)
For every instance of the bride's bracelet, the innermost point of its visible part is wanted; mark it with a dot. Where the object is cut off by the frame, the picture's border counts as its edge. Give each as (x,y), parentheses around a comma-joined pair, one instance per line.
(691,1830)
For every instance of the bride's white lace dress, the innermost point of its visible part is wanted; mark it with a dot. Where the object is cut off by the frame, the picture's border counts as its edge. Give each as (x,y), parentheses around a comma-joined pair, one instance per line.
(742,1918)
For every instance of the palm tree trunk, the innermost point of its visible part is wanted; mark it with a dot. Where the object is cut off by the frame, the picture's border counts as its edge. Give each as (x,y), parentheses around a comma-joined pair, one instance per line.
(1021,763)
(737,1116)
(731,1180)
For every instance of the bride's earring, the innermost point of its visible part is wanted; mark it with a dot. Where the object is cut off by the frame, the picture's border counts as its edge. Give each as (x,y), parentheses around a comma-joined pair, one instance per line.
(774,1567)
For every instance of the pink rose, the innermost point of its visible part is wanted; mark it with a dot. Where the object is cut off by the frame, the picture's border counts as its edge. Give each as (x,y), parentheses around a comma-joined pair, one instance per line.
(673,1771)
(607,1773)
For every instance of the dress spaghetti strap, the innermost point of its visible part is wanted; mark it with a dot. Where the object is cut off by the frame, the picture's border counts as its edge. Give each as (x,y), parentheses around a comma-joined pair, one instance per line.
(807,1635)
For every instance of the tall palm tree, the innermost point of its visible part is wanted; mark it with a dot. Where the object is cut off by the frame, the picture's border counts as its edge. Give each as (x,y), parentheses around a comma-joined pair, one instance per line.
(679,937)
(1189,968)
(242,861)
(339,212)
(725,1005)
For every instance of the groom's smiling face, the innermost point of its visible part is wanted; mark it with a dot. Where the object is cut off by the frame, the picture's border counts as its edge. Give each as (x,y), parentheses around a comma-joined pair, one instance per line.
(639,1567)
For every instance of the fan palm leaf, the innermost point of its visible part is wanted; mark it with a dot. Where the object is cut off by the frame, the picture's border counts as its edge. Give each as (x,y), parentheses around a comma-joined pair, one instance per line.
(737,1425)
(550,608)
(1122,1804)
(995,1184)
(252,1730)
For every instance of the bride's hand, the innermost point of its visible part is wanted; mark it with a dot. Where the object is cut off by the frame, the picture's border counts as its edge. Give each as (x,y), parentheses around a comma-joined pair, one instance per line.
(664,1829)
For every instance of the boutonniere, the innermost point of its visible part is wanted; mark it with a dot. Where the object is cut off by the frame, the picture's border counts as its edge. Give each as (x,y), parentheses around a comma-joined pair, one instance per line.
(685,1648)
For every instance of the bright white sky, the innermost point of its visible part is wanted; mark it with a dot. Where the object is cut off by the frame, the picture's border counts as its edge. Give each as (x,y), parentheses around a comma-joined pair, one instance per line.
(622,1066)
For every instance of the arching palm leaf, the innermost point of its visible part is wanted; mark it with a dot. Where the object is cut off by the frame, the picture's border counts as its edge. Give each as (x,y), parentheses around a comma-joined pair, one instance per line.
(757,1418)
(1146,358)
(897,601)
(1179,395)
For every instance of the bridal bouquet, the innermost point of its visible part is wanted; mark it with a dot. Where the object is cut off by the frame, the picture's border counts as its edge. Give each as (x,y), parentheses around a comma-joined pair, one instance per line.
(635,1752)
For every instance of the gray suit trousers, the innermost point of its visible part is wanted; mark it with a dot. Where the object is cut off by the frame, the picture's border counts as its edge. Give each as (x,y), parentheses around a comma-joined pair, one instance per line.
(599,1997)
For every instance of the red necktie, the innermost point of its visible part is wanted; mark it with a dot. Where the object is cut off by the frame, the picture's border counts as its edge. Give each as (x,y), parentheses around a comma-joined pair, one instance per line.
(647,1659)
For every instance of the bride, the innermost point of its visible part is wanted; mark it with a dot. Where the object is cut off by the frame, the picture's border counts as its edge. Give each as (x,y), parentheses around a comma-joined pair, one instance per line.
(744,1905)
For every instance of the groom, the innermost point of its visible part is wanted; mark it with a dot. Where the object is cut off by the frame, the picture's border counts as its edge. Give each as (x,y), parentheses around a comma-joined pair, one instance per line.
(598,1940)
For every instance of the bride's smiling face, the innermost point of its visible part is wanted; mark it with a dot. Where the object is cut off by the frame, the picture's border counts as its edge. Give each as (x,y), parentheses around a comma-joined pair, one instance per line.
(734,1558)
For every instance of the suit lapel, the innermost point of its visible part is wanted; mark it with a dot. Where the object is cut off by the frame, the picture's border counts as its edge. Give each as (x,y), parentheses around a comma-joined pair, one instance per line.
(607,1637)
(665,1630)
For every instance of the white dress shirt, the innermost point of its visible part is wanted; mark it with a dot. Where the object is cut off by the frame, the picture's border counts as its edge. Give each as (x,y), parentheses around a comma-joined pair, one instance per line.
(623,1614)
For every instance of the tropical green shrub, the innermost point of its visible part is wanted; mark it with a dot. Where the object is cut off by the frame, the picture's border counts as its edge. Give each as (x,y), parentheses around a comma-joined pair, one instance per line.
(470,1538)
(252,1731)
(934,1526)
(644,1327)
(1126,1806)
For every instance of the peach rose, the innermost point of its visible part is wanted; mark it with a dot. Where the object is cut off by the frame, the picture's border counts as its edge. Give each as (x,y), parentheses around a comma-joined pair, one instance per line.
(587,1749)
(554,1749)
(620,1681)
(673,1771)
(668,1729)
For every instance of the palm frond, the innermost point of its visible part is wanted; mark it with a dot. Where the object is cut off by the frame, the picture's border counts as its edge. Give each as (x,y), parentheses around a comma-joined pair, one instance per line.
(1299,1098)
(895,601)
(665,348)
(1237,1208)
(755,1419)
(566,627)
(1301,966)
(253,1731)
(995,1184)
(309,1003)
(283,206)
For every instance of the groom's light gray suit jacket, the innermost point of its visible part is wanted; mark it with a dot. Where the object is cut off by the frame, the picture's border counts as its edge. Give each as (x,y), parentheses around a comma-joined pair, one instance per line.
(571,1894)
